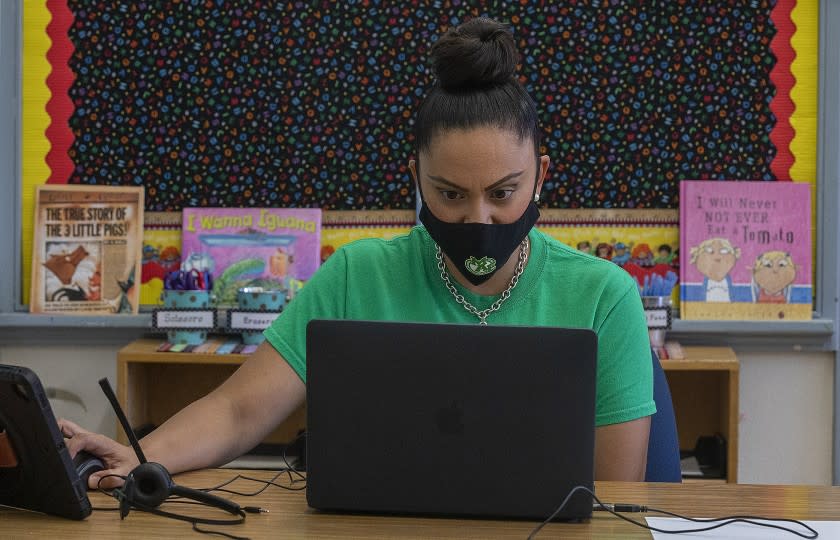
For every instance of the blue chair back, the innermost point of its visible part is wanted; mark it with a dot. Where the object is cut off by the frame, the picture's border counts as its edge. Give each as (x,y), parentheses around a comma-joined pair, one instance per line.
(663,458)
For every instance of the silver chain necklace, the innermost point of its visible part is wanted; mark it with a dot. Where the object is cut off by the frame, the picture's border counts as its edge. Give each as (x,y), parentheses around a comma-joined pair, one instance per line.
(483,314)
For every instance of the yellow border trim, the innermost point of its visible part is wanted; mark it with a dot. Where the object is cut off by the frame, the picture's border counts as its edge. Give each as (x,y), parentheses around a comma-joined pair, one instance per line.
(805,96)
(805,43)
(35,121)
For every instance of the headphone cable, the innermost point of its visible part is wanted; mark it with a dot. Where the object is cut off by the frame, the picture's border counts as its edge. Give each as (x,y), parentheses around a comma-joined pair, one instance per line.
(194,521)
(614,509)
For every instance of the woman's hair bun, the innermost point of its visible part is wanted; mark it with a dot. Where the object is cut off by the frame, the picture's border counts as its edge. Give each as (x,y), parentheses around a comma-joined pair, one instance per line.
(478,53)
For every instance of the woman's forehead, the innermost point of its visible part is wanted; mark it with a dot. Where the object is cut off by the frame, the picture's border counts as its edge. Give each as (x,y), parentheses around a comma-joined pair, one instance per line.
(482,144)
(486,138)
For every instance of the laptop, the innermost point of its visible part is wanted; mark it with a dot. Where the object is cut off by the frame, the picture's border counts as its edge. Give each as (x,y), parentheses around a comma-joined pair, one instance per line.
(449,419)
(36,471)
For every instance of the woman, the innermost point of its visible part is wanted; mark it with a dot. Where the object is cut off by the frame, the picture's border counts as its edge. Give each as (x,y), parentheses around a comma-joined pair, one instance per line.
(477,259)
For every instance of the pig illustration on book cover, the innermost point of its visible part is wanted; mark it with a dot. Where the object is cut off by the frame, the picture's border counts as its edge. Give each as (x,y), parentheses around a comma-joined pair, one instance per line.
(747,250)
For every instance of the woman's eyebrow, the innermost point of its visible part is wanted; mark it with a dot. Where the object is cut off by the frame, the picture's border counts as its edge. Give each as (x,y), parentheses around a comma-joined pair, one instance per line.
(491,187)
(501,181)
(449,183)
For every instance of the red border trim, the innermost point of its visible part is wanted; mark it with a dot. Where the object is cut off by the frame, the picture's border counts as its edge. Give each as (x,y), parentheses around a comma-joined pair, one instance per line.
(59,107)
(783,79)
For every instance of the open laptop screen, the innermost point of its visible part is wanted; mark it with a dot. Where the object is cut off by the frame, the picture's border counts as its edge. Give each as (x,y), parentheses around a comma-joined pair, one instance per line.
(449,419)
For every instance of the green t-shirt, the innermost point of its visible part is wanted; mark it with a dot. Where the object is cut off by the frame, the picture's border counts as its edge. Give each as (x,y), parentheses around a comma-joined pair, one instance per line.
(398,280)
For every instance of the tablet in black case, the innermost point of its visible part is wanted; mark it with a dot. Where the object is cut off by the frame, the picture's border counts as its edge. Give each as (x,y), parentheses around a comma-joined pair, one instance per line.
(37,472)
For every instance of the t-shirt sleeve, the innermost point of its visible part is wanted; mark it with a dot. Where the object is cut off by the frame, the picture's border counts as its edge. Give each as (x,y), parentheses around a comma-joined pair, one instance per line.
(322,297)
(625,370)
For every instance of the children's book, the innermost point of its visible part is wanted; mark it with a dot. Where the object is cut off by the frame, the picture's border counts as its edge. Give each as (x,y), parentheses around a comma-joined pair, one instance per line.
(161,253)
(86,250)
(746,250)
(645,242)
(340,227)
(272,248)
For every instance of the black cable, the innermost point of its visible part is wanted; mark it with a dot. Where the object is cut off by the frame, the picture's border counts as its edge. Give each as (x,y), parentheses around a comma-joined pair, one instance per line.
(116,493)
(220,533)
(190,519)
(288,470)
(638,508)
(300,435)
(557,511)
(105,492)
(267,483)
(744,519)
(194,521)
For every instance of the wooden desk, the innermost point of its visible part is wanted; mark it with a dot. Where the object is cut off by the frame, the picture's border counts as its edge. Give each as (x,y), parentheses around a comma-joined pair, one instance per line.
(704,390)
(290,517)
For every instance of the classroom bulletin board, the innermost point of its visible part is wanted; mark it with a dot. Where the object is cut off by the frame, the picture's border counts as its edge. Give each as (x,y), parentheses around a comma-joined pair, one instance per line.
(310,104)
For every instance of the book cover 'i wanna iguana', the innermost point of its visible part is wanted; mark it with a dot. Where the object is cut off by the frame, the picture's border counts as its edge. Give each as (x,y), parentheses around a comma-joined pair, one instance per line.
(272,248)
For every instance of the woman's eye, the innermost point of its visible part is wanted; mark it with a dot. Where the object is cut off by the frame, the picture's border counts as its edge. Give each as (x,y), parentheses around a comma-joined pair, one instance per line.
(724,251)
(451,195)
(501,194)
(782,263)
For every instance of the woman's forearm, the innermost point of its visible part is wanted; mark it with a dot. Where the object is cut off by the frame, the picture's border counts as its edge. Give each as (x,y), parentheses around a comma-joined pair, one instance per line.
(232,419)
(203,434)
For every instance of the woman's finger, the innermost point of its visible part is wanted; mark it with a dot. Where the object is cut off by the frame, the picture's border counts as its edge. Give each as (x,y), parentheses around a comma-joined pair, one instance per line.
(74,444)
(68,428)
(93,443)
(110,482)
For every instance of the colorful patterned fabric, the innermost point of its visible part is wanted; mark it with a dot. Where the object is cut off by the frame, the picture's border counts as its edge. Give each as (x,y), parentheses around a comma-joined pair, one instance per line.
(250,103)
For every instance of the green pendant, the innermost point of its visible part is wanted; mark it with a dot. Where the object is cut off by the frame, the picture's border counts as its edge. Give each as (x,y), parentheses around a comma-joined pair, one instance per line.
(480,267)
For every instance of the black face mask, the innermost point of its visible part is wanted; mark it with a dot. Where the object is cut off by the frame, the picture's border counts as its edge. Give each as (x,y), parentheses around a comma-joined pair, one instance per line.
(479,249)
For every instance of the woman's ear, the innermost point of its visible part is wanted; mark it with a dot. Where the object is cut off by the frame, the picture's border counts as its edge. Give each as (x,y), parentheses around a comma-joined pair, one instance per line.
(545,161)
(412,166)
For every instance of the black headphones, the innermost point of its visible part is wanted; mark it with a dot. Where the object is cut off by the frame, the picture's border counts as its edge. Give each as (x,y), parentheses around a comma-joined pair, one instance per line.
(149,485)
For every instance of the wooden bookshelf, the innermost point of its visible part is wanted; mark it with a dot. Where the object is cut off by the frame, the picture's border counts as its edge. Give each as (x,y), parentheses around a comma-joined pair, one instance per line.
(152,386)
(704,389)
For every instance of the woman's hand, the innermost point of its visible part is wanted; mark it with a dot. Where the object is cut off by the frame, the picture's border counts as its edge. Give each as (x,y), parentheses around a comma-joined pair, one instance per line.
(117,458)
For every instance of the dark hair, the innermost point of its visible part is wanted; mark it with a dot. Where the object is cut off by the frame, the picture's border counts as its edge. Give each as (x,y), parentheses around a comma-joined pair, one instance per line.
(603,245)
(474,65)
